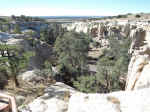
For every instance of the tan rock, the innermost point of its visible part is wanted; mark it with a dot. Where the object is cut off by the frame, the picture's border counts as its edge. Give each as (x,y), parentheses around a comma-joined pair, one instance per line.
(55,99)
(129,101)
(138,70)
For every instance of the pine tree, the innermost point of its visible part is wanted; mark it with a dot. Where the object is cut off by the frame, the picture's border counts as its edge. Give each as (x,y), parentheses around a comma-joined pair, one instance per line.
(13,60)
(72,51)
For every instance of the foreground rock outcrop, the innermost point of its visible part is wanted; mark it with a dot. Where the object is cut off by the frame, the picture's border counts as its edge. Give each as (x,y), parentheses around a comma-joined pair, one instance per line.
(139,67)
(138,31)
(129,101)
(62,98)
(55,99)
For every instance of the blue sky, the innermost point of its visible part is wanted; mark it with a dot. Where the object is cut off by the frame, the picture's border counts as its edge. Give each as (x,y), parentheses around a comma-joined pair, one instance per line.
(72,7)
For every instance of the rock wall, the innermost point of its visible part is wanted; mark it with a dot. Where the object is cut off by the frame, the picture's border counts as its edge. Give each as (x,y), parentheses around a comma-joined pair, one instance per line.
(101,29)
(62,98)
(129,101)
(139,67)
(138,70)
(55,99)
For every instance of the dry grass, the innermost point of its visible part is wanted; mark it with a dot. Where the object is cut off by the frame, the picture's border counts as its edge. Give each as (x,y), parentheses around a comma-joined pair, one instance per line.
(28,90)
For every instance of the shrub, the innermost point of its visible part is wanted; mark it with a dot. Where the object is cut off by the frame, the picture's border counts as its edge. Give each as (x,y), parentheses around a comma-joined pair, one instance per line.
(122,16)
(86,83)
(17,29)
(112,65)
(72,51)
(49,35)
(13,60)
(137,16)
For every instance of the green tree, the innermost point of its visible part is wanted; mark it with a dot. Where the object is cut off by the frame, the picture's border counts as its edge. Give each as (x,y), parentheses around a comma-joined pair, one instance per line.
(72,51)
(6,28)
(17,29)
(13,60)
(23,17)
(47,71)
(49,35)
(13,17)
(87,84)
(112,64)
(137,16)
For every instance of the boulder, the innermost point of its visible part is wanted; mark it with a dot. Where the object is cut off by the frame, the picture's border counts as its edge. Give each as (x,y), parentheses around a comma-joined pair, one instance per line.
(20,100)
(62,98)
(55,99)
(129,101)
(28,75)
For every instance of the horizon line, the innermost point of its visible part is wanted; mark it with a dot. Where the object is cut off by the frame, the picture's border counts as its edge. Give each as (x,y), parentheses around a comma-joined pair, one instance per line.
(59,15)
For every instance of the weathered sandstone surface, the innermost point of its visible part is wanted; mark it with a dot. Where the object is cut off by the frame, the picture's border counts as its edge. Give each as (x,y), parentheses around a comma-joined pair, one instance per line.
(62,98)
(139,67)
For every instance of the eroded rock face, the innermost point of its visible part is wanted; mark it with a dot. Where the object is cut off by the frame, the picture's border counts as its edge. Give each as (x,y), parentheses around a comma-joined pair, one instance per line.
(28,75)
(138,70)
(139,67)
(129,101)
(62,98)
(55,99)
(101,29)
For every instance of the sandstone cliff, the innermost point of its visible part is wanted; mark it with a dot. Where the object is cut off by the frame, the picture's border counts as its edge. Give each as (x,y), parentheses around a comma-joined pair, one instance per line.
(138,71)
(62,98)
